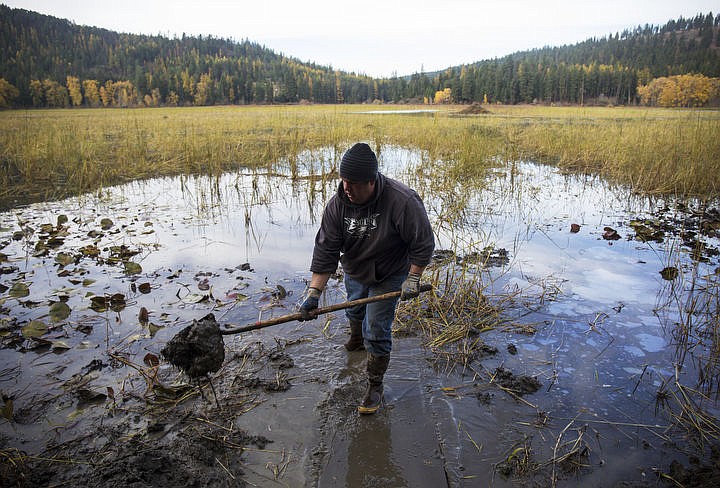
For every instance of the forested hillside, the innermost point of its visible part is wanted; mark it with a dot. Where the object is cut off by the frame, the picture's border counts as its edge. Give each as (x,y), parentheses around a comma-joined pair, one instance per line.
(51,62)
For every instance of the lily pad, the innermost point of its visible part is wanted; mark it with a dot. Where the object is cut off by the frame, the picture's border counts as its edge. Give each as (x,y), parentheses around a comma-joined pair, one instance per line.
(19,290)
(143,316)
(90,251)
(98,303)
(55,242)
(63,259)
(59,311)
(151,360)
(132,268)
(86,395)
(238,297)
(117,302)
(195,298)
(36,328)
(153,328)
(59,345)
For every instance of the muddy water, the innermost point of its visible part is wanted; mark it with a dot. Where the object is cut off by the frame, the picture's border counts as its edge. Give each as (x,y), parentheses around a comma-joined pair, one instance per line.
(602,347)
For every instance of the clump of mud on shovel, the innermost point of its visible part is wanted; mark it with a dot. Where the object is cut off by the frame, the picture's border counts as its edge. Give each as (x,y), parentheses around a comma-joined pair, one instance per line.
(198,349)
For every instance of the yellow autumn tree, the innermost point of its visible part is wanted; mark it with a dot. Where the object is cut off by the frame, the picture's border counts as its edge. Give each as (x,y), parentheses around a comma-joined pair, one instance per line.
(156,98)
(339,97)
(73,87)
(203,89)
(443,96)
(118,94)
(36,92)
(92,94)
(172,99)
(106,94)
(691,90)
(8,93)
(56,95)
(188,85)
(125,94)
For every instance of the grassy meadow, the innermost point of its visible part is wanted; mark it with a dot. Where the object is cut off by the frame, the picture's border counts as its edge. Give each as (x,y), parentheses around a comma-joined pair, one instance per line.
(48,154)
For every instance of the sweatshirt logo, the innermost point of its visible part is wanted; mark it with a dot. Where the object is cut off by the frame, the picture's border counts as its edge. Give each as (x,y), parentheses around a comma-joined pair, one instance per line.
(361,227)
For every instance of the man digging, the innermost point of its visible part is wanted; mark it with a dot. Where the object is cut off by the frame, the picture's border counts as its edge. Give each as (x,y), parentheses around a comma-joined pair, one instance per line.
(378,229)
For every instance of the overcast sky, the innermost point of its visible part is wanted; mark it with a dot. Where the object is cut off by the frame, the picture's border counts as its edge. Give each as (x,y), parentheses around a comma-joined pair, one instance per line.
(378,37)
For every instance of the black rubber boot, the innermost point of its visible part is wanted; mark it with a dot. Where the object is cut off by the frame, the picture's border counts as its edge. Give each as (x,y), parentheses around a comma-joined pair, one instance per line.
(355,343)
(376,367)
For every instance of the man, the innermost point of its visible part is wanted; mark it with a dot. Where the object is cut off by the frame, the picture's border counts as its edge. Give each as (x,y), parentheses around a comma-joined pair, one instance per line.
(378,229)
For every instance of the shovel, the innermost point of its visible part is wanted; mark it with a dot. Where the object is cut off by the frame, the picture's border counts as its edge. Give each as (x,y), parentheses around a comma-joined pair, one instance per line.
(318,311)
(198,349)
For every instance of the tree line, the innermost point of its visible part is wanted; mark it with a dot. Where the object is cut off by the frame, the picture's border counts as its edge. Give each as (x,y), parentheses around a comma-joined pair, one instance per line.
(51,62)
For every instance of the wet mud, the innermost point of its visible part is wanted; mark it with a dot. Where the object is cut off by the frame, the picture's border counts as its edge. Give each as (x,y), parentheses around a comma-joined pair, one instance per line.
(198,349)
(517,384)
(188,434)
(195,455)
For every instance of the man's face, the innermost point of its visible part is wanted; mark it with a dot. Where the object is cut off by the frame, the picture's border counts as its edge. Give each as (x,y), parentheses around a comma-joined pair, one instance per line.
(358,192)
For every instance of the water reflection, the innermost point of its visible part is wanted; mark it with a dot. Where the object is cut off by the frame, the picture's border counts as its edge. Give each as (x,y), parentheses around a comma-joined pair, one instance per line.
(371,459)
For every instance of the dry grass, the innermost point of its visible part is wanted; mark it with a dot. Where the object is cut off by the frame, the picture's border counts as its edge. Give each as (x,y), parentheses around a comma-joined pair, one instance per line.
(49,154)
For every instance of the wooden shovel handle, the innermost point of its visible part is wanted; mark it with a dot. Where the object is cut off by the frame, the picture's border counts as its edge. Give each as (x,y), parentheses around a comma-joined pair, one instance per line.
(319,311)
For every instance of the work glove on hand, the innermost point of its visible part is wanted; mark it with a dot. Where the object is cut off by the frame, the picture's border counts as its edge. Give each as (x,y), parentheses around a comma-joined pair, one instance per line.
(311,303)
(410,287)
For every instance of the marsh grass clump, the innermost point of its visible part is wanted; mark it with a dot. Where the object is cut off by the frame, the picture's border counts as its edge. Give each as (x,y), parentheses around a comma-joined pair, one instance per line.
(453,318)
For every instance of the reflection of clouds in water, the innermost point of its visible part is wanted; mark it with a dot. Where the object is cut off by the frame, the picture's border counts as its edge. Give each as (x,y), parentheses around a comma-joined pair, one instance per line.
(634,351)
(607,286)
(572,307)
(651,343)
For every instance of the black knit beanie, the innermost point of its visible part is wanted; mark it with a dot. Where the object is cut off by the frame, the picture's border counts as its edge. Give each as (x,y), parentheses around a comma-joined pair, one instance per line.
(359,164)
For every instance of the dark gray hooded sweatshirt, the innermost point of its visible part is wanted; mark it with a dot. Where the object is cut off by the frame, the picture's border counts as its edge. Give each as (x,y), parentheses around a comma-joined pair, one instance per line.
(375,240)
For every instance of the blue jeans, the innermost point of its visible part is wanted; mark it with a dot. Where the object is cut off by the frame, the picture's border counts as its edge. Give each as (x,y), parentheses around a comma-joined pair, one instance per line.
(376,317)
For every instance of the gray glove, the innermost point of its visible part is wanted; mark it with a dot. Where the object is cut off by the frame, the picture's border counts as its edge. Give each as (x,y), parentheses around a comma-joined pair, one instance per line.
(410,287)
(310,304)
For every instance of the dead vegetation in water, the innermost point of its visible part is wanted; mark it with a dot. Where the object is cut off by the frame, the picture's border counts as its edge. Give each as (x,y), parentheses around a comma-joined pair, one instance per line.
(684,406)
(577,448)
(453,318)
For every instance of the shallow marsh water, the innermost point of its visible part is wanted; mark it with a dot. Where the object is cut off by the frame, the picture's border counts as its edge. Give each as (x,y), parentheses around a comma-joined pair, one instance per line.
(602,342)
